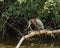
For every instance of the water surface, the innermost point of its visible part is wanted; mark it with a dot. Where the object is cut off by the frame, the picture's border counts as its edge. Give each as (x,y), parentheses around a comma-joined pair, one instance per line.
(32,45)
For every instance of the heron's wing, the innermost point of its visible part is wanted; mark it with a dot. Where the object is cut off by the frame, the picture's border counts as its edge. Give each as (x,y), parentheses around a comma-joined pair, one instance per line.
(39,22)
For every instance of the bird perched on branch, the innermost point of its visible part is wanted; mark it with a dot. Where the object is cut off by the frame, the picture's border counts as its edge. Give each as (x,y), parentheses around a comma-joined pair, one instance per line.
(36,22)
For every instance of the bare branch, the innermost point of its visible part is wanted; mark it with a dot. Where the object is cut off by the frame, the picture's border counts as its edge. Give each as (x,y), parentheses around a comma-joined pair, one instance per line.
(33,33)
(15,29)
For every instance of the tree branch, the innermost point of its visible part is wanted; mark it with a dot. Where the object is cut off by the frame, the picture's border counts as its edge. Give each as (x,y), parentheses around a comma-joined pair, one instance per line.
(15,29)
(33,33)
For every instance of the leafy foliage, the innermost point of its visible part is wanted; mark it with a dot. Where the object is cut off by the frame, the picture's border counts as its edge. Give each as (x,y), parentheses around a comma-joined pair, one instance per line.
(46,10)
(14,12)
(52,8)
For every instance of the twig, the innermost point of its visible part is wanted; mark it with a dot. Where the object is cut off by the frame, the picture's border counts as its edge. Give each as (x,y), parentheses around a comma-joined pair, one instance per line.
(15,29)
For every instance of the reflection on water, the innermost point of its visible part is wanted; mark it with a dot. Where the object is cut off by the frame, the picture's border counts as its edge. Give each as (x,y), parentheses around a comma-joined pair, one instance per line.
(33,45)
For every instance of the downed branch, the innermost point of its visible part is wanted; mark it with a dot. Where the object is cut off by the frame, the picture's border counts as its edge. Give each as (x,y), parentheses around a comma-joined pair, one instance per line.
(33,33)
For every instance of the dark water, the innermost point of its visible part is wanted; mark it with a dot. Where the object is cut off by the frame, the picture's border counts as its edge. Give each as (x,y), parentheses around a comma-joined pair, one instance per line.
(34,43)
(32,46)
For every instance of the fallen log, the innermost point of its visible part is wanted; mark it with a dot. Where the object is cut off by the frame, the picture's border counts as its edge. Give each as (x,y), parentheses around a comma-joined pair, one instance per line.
(33,33)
